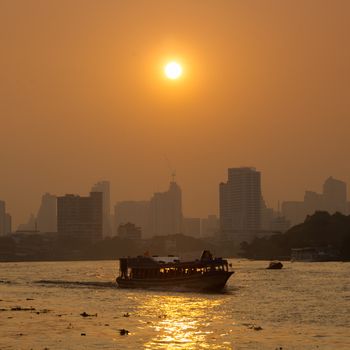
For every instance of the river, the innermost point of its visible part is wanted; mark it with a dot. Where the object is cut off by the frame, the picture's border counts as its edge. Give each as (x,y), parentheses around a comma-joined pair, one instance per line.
(302,306)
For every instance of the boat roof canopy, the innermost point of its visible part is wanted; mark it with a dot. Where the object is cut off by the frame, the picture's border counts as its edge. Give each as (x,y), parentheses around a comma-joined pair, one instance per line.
(147,262)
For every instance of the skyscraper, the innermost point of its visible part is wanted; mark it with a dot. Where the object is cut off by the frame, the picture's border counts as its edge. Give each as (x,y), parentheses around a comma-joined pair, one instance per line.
(2,218)
(104,187)
(80,217)
(5,220)
(334,196)
(47,215)
(313,201)
(166,211)
(8,223)
(240,200)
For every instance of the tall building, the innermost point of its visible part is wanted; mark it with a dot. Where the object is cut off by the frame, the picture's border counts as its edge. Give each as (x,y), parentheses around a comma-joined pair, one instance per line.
(80,217)
(5,220)
(240,201)
(166,211)
(46,220)
(2,218)
(104,187)
(267,216)
(8,223)
(313,201)
(135,212)
(334,196)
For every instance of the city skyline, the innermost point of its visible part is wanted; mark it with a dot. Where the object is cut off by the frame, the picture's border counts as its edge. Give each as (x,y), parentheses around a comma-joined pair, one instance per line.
(142,213)
(265,85)
(21,216)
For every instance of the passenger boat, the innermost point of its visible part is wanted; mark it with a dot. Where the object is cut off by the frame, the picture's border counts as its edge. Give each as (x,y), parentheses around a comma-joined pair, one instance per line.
(205,274)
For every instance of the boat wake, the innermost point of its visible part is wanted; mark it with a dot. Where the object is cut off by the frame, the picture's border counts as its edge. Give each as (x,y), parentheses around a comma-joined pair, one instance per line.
(77,284)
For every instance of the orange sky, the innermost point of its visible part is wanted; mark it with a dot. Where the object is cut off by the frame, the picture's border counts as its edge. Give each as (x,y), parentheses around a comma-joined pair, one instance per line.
(82,98)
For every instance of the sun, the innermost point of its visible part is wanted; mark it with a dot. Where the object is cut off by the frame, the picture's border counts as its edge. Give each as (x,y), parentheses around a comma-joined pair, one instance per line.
(173,70)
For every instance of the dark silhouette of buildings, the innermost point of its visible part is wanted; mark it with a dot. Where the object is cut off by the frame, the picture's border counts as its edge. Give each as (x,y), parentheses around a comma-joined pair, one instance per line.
(5,220)
(333,199)
(104,187)
(80,217)
(46,220)
(166,211)
(240,202)
(272,220)
(160,216)
(2,218)
(8,223)
(334,196)
(129,231)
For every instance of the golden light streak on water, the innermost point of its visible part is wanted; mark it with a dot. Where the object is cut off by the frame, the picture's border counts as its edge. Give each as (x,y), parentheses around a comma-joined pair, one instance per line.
(180,323)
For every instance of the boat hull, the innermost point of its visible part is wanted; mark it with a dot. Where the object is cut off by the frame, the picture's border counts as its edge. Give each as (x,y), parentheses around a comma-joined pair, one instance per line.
(197,282)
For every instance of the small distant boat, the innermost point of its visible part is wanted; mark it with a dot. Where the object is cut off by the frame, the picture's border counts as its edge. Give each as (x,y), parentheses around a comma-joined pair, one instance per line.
(275,265)
(169,273)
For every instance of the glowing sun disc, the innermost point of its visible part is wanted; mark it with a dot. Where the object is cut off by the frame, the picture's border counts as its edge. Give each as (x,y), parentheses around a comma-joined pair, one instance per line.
(173,70)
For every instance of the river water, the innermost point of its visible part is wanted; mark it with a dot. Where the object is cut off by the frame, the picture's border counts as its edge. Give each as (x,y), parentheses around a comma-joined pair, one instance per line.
(302,306)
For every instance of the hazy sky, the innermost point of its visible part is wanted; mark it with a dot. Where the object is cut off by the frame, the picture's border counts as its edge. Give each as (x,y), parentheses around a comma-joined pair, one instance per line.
(83,98)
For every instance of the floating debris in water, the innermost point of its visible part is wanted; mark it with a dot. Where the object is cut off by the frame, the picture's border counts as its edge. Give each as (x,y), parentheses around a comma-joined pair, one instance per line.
(85,314)
(126,315)
(123,331)
(252,326)
(19,308)
(83,334)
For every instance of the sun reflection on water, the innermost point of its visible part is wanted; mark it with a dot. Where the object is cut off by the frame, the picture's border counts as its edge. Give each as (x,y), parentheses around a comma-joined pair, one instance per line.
(181,322)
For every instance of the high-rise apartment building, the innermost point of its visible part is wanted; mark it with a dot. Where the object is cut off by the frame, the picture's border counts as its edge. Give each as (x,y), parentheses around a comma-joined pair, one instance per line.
(240,200)
(8,223)
(2,218)
(334,196)
(80,217)
(46,220)
(166,211)
(313,201)
(104,187)
(5,220)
